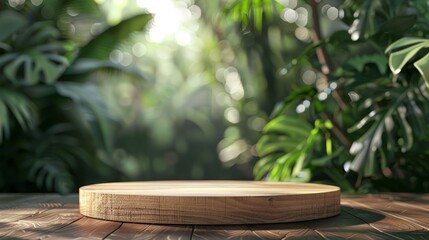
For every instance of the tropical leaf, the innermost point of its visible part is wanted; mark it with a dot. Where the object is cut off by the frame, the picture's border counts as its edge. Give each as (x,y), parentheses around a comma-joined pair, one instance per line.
(52,174)
(286,145)
(14,105)
(403,42)
(53,156)
(88,65)
(35,56)
(10,23)
(93,109)
(103,44)
(34,67)
(361,26)
(364,161)
(264,166)
(252,13)
(269,144)
(422,66)
(378,59)
(397,60)
(370,142)
(286,125)
(298,94)
(405,49)
(397,25)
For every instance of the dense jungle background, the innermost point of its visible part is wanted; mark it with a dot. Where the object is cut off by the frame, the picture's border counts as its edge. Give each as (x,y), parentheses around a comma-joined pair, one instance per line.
(323,91)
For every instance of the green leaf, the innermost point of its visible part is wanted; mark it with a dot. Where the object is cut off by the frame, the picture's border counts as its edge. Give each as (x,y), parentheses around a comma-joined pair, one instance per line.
(244,12)
(10,22)
(365,120)
(398,25)
(17,105)
(364,161)
(407,132)
(403,42)
(103,44)
(397,60)
(360,26)
(327,160)
(36,34)
(269,8)
(86,65)
(298,94)
(299,164)
(60,7)
(34,67)
(4,121)
(257,14)
(291,126)
(378,59)
(269,144)
(263,166)
(422,66)
(89,100)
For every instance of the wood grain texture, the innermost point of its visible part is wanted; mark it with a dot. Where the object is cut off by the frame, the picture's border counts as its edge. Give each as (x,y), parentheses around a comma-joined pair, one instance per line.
(223,232)
(23,207)
(209,202)
(412,213)
(285,231)
(346,226)
(130,231)
(396,223)
(84,228)
(35,216)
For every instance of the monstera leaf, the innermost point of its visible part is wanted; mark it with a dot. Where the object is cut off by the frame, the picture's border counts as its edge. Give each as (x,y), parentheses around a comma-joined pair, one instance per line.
(34,55)
(404,50)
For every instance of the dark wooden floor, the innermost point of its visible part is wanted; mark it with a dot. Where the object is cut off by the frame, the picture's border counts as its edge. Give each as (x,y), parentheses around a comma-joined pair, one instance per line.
(389,216)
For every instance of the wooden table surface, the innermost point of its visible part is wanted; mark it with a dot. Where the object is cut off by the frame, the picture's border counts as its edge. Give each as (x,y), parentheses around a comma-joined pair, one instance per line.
(383,216)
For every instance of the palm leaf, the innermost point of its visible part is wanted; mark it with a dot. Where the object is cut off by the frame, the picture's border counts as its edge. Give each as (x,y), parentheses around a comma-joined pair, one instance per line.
(101,46)
(14,105)
(93,109)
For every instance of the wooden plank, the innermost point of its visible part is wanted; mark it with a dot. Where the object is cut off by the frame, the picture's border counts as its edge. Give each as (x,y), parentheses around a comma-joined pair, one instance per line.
(392,224)
(404,211)
(224,232)
(146,232)
(84,228)
(44,222)
(345,226)
(6,198)
(414,210)
(408,200)
(285,231)
(209,202)
(27,206)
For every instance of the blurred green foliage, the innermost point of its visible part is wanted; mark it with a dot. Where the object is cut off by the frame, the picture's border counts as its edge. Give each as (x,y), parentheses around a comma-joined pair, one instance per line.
(325,91)
(355,124)
(86,98)
(51,117)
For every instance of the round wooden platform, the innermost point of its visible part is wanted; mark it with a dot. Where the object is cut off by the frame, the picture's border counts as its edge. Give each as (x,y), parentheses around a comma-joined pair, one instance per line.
(209,202)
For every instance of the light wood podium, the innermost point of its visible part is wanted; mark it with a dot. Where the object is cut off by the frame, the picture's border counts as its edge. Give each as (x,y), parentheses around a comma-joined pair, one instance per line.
(209,202)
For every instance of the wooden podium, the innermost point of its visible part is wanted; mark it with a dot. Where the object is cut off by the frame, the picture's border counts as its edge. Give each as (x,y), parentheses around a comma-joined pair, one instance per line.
(209,202)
